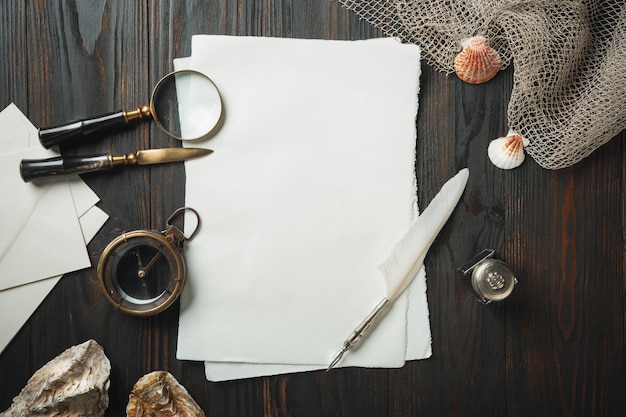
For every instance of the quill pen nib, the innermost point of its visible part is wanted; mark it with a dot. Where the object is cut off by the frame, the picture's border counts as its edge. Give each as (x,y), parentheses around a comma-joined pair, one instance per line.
(361,331)
(337,357)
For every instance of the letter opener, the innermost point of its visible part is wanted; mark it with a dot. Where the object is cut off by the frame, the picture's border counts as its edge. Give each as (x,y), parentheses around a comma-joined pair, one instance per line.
(64,166)
(407,256)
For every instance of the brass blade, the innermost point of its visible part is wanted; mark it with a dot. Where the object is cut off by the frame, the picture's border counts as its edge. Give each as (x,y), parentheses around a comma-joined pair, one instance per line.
(162,156)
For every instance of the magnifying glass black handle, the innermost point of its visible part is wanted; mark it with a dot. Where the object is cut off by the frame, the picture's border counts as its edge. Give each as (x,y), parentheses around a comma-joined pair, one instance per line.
(56,135)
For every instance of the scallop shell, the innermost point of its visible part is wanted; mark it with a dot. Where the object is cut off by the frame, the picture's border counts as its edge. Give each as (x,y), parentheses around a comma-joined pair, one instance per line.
(478,62)
(159,394)
(507,152)
(75,383)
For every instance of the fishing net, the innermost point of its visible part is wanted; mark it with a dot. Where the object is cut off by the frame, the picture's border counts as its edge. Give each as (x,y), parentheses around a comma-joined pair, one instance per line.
(569,60)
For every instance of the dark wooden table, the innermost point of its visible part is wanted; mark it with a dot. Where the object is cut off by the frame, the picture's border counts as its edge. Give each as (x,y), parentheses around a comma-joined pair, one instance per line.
(554,348)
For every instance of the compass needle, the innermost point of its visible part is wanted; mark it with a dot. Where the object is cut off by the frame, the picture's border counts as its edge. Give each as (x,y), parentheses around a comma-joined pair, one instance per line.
(152,262)
(139,262)
(141,272)
(142,289)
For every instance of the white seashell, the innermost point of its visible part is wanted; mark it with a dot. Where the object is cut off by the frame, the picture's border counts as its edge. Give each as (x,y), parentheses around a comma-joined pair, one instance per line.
(507,152)
(478,62)
(159,394)
(75,383)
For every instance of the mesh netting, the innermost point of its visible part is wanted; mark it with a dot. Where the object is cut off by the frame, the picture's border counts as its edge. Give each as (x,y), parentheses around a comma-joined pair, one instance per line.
(569,62)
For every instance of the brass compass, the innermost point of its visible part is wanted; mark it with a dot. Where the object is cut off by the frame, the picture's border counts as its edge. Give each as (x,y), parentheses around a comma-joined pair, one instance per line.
(143,272)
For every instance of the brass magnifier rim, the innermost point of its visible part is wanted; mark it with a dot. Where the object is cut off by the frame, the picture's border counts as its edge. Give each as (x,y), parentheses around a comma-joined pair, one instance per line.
(172,76)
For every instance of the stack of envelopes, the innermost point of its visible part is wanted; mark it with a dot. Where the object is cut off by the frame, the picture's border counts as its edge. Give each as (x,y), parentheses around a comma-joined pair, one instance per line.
(45,227)
(311,184)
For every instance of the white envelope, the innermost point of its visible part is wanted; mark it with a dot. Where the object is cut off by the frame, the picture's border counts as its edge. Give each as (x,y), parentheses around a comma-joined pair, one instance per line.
(47,226)
(327,163)
(17,304)
(42,234)
(18,132)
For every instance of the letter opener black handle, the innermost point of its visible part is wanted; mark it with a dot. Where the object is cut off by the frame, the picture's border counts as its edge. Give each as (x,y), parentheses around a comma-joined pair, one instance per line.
(65,166)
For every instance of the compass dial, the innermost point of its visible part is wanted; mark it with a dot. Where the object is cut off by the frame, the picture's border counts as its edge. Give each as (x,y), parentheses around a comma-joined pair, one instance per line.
(141,272)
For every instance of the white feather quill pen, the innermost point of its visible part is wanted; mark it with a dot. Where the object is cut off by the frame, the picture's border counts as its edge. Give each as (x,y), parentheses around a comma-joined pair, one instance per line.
(408,254)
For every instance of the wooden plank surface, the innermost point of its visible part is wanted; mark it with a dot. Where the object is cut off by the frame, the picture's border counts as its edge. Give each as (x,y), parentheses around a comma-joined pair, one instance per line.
(554,348)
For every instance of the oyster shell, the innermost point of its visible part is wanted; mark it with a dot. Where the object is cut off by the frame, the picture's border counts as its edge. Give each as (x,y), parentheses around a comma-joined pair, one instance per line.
(159,394)
(478,62)
(507,152)
(75,383)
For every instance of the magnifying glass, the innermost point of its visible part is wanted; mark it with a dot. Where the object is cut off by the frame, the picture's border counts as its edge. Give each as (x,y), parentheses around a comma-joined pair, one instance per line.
(185,104)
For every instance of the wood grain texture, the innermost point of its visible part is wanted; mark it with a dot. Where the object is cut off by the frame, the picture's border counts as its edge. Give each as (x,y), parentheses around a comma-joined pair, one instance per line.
(13,89)
(554,348)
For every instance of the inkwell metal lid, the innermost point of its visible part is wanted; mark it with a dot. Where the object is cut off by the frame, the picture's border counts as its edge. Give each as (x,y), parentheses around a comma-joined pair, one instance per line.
(493,280)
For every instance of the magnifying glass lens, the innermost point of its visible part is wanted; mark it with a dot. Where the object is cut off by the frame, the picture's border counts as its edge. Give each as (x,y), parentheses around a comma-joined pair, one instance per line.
(186,105)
